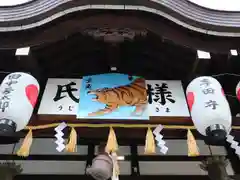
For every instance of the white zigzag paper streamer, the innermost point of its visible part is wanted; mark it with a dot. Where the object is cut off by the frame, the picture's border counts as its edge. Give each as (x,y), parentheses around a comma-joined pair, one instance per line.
(59,135)
(114,160)
(59,141)
(234,144)
(159,138)
(237,150)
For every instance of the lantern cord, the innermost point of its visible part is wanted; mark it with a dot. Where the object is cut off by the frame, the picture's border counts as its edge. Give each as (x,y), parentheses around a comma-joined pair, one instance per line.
(5,72)
(225,74)
(46,126)
(229,95)
(210,150)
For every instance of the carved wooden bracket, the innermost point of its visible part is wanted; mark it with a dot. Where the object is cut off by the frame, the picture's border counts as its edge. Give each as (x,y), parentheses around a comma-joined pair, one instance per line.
(114,35)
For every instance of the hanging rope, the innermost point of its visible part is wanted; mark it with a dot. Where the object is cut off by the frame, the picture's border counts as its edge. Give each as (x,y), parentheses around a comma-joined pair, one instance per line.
(46,126)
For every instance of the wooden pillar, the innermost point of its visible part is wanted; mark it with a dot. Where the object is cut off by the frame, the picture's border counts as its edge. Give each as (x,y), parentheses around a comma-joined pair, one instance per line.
(90,156)
(134,160)
(9,170)
(233,159)
(216,168)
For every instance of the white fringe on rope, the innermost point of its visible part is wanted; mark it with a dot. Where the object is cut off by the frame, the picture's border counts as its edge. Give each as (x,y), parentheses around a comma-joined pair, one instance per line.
(59,135)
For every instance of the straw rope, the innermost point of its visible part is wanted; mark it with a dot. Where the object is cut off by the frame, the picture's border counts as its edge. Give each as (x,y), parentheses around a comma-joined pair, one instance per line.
(46,126)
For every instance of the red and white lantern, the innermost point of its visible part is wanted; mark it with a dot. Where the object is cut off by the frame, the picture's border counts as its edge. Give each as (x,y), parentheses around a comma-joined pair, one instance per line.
(238,91)
(209,108)
(18,96)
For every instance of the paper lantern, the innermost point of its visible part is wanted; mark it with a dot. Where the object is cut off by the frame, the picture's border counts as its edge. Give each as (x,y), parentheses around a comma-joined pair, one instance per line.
(18,96)
(238,91)
(209,108)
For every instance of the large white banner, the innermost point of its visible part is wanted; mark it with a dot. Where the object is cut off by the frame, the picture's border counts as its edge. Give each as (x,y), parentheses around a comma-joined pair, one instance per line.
(61,97)
(165,98)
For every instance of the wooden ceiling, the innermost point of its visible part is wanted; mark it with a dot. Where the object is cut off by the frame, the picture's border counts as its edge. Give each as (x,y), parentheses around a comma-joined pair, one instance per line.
(149,56)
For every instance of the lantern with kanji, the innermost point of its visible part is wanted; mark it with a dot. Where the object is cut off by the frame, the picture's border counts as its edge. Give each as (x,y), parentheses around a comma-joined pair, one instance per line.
(18,96)
(209,108)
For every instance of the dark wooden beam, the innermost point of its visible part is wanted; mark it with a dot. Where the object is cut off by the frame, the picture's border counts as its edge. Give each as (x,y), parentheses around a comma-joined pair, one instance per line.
(192,73)
(233,158)
(113,54)
(90,156)
(134,160)
(83,177)
(74,157)
(200,67)
(29,64)
(46,119)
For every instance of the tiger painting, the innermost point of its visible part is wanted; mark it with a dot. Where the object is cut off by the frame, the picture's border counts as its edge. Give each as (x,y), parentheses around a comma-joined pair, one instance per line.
(133,94)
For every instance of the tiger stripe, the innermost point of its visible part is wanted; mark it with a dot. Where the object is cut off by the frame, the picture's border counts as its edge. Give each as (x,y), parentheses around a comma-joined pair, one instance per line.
(133,94)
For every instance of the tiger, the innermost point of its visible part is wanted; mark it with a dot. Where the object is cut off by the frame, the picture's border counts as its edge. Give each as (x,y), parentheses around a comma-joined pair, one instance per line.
(133,94)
